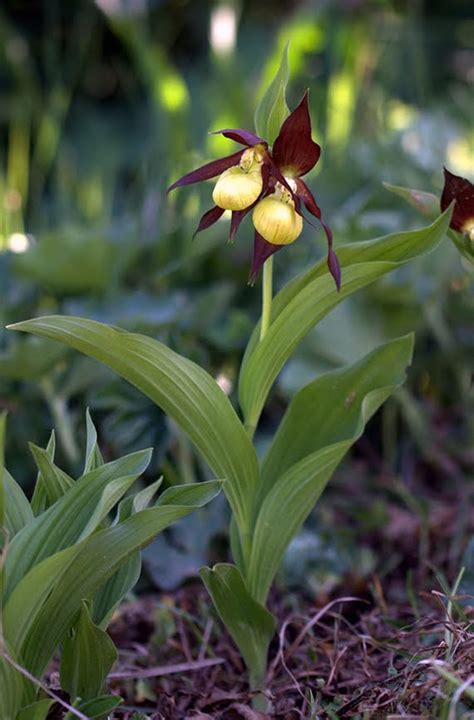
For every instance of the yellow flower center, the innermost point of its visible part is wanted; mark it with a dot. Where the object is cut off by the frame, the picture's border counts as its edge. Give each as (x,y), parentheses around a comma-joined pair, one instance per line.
(276,219)
(239,186)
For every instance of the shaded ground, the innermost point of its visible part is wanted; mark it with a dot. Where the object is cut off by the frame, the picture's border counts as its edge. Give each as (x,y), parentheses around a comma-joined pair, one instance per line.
(346,659)
(373,645)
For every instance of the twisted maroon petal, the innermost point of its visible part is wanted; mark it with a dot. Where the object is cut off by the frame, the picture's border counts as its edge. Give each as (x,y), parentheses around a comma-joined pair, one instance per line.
(294,151)
(208,219)
(275,175)
(311,205)
(244,137)
(216,167)
(462,191)
(261,252)
(235,220)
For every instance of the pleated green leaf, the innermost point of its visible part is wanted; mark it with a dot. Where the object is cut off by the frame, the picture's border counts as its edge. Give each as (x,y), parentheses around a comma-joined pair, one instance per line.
(43,605)
(108,597)
(180,387)
(311,296)
(124,579)
(39,501)
(249,623)
(100,707)
(55,481)
(12,686)
(64,522)
(36,711)
(182,494)
(94,457)
(322,421)
(87,656)
(272,109)
(18,512)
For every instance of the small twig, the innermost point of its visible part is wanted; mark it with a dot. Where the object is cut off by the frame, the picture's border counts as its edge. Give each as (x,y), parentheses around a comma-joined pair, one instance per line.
(335,664)
(205,640)
(166,669)
(449,636)
(185,642)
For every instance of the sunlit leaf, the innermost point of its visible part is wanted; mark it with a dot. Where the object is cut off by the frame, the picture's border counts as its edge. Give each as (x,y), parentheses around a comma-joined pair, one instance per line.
(322,421)
(180,387)
(272,109)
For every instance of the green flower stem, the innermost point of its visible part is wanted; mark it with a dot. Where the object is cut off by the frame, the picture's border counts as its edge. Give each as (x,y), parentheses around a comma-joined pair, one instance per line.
(267,291)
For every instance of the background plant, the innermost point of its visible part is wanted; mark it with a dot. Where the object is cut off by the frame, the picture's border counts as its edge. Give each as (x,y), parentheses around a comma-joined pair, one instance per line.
(65,567)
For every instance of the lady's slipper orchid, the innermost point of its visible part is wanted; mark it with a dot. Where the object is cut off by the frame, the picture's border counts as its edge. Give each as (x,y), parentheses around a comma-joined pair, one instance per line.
(269,183)
(241,185)
(276,219)
(461,191)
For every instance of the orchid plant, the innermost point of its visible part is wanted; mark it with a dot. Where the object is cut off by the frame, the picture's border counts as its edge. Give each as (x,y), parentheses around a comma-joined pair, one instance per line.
(269,497)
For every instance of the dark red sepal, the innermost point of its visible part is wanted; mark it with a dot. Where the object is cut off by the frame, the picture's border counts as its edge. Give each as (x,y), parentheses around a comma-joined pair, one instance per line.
(261,252)
(303,191)
(235,220)
(334,267)
(294,151)
(462,191)
(209,218)
(276,176)
(216,167)
(244,137)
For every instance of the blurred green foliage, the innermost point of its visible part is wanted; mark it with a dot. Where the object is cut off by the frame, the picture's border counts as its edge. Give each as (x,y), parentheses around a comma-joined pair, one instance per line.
(103,104)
